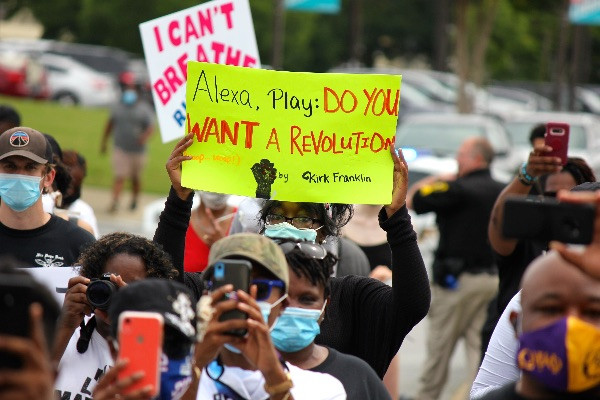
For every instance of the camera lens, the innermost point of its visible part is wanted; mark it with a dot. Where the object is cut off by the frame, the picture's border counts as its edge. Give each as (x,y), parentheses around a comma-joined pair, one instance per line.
(99,292)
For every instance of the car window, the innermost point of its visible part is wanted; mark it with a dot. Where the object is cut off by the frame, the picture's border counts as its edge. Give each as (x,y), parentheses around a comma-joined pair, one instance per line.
(442,139)
(54,68)
(519,132)
(416,97)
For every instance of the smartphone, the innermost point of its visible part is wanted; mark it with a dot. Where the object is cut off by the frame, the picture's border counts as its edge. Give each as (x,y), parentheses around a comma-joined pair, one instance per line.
(557,137)
(16,295)
(236,273)
(548,219)
(140,341)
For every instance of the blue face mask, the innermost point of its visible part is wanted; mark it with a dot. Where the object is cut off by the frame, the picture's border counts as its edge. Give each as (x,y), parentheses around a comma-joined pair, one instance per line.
(129,97)
(286,230)
(175,376)
(265,310)
(266,307)
(19,192)
(296,328)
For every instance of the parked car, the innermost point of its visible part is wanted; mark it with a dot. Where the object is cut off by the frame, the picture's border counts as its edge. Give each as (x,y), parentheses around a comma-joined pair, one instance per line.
(21,75)
(71,82)
(429,138)
(584,136)
(103,59)
(413,99)
(526,99)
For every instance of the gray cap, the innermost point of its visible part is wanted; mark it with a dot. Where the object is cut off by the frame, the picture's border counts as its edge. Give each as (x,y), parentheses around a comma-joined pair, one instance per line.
(255,247)
(25,142)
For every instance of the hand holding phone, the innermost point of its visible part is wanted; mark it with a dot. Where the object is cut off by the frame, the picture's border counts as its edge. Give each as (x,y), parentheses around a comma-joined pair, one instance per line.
(140,342)
(236,273)
(557,137)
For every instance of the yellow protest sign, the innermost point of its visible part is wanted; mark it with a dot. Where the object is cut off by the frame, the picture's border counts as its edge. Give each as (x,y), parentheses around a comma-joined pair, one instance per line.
(291,136)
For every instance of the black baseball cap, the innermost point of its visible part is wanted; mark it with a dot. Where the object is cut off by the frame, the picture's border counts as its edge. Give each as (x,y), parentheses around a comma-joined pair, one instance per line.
(171,299)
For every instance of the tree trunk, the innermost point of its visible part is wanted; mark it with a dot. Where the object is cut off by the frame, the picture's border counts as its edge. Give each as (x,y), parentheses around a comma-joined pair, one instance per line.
(486,16)
(278,34)
(356,30)
(561,56)
(440,35)
(462,55)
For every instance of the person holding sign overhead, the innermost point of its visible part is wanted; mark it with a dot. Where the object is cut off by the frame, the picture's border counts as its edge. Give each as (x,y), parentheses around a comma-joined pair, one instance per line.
(365,318)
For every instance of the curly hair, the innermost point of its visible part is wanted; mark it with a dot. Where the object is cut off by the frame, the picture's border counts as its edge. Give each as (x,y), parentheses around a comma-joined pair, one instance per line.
(577,168)
(318,272)
(333,219)
(94,258)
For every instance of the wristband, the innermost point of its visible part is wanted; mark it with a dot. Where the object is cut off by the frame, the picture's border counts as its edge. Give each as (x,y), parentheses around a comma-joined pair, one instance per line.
(279,388)
(524,177)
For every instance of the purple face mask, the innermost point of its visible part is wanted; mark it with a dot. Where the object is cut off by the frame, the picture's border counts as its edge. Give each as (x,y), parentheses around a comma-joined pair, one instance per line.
(563,356)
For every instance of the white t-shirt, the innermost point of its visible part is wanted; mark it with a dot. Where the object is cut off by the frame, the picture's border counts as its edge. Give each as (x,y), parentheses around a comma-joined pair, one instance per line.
(78,208)
(499,366)
(85,212)
(249,385)
(79,373)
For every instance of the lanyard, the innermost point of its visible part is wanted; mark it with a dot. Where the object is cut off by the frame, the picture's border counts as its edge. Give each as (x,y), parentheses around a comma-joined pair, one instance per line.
(215,370)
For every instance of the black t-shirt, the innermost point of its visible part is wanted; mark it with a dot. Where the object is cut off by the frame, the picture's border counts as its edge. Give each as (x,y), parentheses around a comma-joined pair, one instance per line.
(379,254)
(512,267)
(57,243)
(359,379)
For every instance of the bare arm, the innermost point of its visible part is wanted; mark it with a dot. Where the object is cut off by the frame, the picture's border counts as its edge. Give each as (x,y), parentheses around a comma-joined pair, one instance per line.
(107,131)
(537,165)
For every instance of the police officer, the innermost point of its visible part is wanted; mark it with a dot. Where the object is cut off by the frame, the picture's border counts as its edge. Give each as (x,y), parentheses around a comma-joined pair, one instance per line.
(464,276)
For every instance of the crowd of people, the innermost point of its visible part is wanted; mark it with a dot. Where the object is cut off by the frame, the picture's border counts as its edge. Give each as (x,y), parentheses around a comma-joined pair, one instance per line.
(323,297)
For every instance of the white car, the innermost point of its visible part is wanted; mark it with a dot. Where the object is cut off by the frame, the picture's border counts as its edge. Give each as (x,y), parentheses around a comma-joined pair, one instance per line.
(584,135)
(71,82)
(434,139)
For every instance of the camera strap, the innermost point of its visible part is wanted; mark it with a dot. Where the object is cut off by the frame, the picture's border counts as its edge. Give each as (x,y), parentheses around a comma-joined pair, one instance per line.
(85,334)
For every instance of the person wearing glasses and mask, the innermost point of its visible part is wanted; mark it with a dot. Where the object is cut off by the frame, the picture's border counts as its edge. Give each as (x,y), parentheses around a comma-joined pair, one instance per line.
(294,332)
(248,367)
(365,318)
(326,219)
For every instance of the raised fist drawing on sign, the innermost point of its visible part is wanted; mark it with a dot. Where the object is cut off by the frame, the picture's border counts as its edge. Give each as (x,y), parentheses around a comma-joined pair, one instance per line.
(264,175)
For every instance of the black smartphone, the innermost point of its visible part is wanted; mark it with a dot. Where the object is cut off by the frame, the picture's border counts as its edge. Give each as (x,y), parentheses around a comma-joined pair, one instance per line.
(236,273)
(16,295)
(547,219)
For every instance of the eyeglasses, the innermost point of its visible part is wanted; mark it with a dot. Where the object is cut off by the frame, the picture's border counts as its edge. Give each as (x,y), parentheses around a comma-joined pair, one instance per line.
(309,249)
(298,222)
(264,286)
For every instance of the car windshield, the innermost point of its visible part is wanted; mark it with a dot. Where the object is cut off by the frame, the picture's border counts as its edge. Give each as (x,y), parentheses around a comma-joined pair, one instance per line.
(519,132)
(441,139)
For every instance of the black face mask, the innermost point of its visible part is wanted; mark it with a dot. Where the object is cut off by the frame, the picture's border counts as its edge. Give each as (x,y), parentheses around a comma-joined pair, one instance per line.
(71,198)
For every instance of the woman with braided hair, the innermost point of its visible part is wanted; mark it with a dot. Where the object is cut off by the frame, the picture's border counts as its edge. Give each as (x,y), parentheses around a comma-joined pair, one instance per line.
(81,350)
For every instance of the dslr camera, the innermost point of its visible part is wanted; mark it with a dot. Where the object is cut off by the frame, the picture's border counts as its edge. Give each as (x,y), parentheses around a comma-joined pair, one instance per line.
(99,292)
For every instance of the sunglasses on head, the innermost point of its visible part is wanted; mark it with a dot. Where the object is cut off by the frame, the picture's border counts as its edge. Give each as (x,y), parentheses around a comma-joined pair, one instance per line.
(264,287)
(309,249)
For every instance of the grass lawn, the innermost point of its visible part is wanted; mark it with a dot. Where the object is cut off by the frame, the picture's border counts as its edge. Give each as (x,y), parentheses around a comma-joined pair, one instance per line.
(81,129)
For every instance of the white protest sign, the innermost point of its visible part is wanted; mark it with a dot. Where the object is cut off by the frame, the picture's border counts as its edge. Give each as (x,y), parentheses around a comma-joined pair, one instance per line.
(219,31)
(56,279)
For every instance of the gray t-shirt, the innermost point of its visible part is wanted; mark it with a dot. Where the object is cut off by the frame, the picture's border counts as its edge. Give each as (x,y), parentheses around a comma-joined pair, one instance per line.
(129,122)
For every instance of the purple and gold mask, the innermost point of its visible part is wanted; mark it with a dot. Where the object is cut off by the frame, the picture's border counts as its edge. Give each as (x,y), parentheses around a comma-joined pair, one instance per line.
(563,356)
